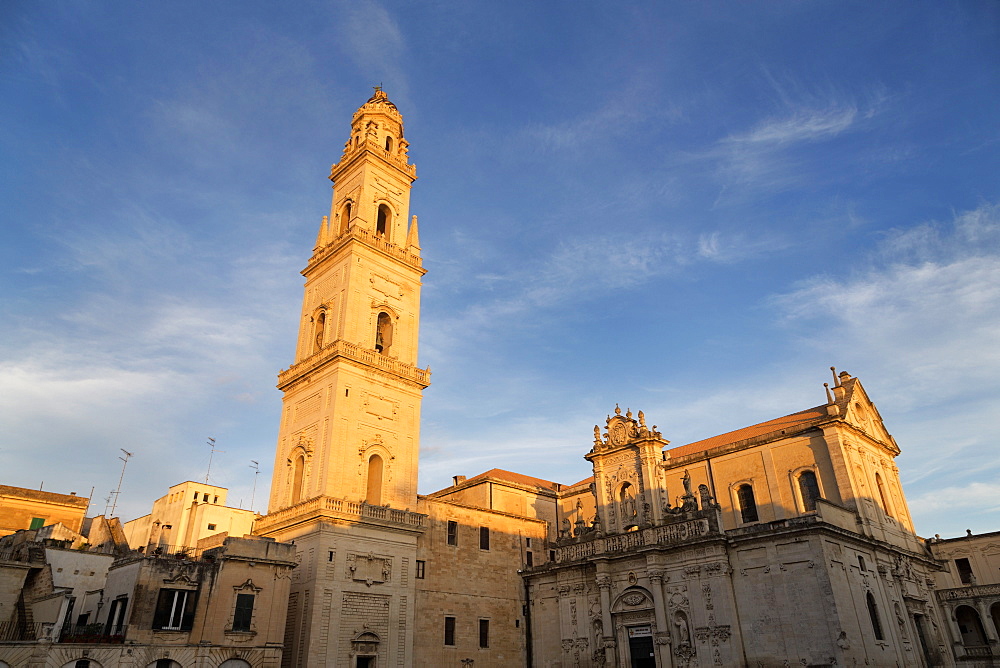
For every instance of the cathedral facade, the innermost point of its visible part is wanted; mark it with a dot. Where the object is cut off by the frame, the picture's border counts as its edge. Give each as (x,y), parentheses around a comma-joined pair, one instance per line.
(785,543)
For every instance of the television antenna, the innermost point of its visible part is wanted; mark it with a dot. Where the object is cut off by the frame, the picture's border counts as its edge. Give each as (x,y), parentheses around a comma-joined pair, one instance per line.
(255,465)
(114,495)
(211,444)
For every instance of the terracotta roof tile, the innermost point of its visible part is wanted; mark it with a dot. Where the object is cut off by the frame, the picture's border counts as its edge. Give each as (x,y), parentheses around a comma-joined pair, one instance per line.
(786,423)
(518,478)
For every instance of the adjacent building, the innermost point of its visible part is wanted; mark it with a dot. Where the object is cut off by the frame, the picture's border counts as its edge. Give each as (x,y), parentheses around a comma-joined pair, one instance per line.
(188,513)
(22,508)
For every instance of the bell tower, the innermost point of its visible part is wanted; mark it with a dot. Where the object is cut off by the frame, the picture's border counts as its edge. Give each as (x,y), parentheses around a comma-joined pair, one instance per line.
(351,417)
(345,473)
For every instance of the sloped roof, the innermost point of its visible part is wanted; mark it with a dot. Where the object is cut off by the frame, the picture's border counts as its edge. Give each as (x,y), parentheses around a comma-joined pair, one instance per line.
(793,422)
(517,478)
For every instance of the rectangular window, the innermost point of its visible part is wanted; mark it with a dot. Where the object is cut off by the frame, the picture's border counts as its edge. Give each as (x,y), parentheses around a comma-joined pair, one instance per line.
(861,562)
(211,527)
(421,569)
(452,532)
(174,610)
(244,612)
(964,571)
(552,555)
(116,617)
(329,556)
(527,542)
(204,498)
(484,633)
(484,538)
(529,559)
(449,631)
(37,522)
(196,496)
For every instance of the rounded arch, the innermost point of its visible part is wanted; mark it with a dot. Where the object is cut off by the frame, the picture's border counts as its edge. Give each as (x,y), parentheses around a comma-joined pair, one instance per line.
(883,497)
(970,626)
(635,598)
(235,662)
(875,618)
(383,221)
(319,328)
(346,211)
(744,501)
(388,143)
(164,663)
(626,496)
(298,475)
(376,469)
(82,663)
(806,488)
(385,324)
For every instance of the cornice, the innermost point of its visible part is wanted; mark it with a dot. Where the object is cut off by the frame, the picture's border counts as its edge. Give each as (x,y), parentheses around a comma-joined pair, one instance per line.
(364,357)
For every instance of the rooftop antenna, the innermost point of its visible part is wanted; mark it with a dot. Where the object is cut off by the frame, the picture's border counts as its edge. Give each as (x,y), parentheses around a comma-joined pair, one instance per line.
(114,500)
(211,444)
(255,465)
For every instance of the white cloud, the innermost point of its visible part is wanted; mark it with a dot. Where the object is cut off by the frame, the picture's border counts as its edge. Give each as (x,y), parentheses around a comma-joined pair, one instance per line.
(804,125)
(930,318)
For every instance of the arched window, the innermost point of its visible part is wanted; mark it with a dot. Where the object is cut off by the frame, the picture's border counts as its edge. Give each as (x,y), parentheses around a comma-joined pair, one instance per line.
(971,627)
(383,333)
(374,495)
(873,613)
(345,217)
(320,329)
(809,490)
(298,467)
(748,505)
(234,663)
(388,144)
(384,217)
(881,494)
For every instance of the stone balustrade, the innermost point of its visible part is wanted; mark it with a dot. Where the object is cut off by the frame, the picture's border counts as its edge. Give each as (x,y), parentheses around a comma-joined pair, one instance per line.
(341,348)
(326,506)
(666,534)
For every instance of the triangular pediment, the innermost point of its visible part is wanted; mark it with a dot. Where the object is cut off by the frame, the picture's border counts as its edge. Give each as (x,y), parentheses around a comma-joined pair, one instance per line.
(859,411)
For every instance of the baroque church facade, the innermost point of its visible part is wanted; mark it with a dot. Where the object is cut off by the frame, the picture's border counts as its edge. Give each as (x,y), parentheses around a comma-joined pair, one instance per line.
(785,543)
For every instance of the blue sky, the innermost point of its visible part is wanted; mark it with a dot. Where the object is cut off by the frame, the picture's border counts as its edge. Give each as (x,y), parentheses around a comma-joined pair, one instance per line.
(693,209)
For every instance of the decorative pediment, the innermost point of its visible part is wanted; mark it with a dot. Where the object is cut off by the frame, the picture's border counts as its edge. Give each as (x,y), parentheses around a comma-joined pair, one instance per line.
(633,598)
(248,587)
(181,580)
(622,430)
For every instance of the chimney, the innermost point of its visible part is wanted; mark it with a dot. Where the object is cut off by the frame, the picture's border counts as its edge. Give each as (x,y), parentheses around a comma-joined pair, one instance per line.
(459,479)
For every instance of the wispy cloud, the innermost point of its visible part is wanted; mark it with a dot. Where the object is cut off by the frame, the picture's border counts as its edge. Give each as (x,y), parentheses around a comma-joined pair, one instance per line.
(804,125)
(376,44)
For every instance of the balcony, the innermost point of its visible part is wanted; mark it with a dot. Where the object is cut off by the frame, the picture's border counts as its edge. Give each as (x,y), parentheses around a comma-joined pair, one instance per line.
(327,507)
(93,633)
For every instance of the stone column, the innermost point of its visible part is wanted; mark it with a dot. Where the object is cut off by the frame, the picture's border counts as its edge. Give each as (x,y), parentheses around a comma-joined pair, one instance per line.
(608,637)
(661,638)
(987,621)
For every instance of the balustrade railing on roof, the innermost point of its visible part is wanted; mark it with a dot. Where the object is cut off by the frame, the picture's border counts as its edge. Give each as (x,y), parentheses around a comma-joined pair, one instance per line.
(592,544)
(372,239)
(341,348)
(325,505)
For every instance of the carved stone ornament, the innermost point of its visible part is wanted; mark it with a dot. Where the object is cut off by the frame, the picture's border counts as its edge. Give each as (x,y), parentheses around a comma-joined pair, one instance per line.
(633,599)
(369,568)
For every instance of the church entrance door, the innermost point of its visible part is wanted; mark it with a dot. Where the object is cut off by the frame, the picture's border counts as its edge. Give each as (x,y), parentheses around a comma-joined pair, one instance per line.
(640,647)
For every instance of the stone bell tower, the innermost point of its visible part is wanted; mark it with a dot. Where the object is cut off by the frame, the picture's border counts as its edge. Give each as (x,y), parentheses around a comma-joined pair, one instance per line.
(345,471)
